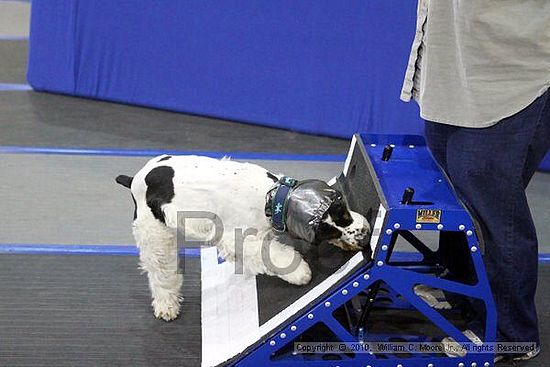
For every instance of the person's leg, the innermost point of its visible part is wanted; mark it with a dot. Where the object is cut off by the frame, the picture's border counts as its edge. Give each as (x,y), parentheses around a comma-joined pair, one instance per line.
(539,146)
(437,136)
(487,169)
(454,253)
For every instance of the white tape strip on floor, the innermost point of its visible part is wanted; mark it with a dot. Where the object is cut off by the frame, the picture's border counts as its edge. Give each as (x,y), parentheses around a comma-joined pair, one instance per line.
(229,310)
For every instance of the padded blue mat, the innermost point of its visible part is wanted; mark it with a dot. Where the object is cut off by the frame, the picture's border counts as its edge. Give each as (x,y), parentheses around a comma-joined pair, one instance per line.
(316,66)
(319,66)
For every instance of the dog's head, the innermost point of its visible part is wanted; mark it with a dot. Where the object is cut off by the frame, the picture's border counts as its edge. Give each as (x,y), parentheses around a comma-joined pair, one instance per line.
(344,228)
(317,213)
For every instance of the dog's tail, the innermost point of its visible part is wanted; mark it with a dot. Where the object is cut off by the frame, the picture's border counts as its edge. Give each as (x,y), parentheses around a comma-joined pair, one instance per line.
(124,180)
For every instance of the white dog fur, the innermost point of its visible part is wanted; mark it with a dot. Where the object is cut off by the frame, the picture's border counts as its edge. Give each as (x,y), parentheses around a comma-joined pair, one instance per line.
(233,191)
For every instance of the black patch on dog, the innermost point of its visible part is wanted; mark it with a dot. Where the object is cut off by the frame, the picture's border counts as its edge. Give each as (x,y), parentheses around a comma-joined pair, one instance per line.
(339,213)
(160,189)
(164,158)
(135,207)
(327,232)
(272,176)
(124,180)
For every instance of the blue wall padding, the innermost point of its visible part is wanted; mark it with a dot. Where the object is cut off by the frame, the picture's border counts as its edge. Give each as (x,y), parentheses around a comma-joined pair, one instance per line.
(318,66)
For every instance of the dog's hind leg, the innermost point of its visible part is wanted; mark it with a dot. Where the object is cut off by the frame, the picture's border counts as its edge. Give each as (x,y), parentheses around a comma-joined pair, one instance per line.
(158,254)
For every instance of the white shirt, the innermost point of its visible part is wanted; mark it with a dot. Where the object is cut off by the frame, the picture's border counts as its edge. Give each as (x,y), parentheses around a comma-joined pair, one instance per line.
(475,62)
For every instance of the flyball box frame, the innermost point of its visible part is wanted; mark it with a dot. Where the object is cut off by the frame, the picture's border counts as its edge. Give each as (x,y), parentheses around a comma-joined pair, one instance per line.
(394,181)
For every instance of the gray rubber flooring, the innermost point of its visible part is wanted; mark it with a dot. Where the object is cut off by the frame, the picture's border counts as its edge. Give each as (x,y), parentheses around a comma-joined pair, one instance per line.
(94,311)
(14,18)
(55,199)
(40,119)
(91,311)
(61,199)
(13,61)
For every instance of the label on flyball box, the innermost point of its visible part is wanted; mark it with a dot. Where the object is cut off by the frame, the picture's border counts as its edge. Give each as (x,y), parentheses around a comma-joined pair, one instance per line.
(428,216)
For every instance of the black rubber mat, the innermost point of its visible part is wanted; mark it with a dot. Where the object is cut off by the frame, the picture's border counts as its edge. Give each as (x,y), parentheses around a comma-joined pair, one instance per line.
(95,311)
(275,295)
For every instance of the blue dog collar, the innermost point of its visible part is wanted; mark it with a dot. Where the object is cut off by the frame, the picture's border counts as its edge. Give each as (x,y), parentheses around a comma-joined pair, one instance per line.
(278,205)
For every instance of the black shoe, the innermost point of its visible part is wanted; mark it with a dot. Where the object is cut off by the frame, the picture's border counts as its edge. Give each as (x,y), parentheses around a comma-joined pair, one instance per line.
(517,357)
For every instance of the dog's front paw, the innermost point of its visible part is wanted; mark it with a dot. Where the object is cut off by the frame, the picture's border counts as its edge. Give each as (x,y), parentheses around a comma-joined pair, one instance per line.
(166,308)
(300,276)
(345,245)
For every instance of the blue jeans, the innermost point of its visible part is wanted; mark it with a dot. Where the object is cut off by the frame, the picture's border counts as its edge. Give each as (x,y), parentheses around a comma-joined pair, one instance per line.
(490,169)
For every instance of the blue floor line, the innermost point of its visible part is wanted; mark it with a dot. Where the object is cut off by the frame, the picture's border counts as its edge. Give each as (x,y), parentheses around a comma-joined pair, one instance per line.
(131,250)
(153,153)
(544,258)
(108,250)
(14,87)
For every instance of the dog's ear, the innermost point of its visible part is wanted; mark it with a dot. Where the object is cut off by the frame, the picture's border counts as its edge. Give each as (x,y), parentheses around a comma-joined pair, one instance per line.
(124,180)
(327,232)
(339,213)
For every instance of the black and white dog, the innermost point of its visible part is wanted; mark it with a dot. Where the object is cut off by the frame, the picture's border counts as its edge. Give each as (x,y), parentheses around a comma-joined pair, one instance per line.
(235,194)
